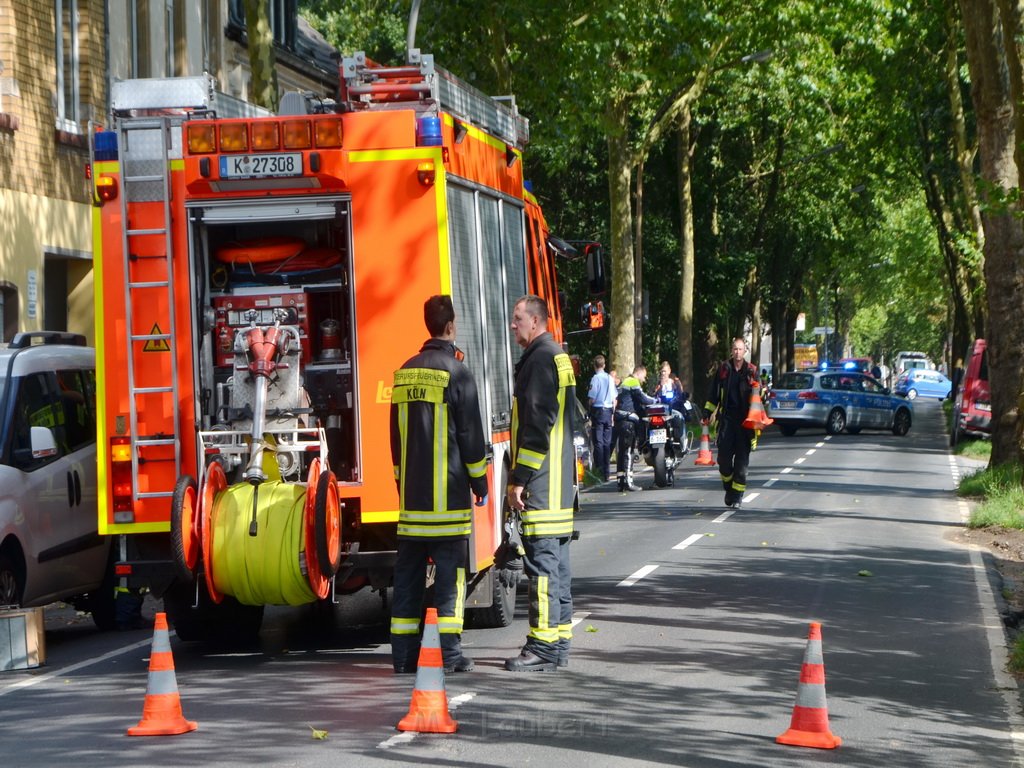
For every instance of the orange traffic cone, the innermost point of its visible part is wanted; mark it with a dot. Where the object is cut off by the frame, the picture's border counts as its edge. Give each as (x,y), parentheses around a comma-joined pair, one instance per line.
(704,458)
(756,416)
(809,726)
(428,711)
(161,712)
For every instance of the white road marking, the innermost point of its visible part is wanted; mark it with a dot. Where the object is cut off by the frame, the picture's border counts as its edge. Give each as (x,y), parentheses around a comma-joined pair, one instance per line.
(810,451)
(801,460)
(46,676)
(750,497)
(722,517)
(578,617)
(820,445)
(771,482)
(691,539)
(635,577)
(787,470)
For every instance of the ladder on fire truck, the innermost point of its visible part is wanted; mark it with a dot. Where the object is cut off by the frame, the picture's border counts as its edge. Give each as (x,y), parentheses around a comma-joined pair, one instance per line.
(146,147)
(367,85)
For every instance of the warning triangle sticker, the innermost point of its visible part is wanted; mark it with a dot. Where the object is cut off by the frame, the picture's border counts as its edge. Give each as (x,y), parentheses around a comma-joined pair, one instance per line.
(156,345)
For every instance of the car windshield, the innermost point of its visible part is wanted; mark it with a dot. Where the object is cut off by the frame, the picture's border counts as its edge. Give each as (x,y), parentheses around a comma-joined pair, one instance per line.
(794,381)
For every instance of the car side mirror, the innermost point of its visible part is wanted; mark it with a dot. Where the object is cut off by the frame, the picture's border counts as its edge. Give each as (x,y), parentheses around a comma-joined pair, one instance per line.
(43,444)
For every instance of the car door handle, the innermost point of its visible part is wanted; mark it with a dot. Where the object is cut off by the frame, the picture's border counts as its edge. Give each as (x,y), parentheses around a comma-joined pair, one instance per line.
(78,488)
(71,490)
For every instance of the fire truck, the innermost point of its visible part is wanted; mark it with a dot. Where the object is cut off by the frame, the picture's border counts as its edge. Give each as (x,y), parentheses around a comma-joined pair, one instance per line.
(258,280)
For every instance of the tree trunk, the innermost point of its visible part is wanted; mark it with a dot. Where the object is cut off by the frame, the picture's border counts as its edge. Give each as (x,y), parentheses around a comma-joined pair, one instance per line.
(1004,236)
(620,163)
(638,267)
(260,39)
(687,259)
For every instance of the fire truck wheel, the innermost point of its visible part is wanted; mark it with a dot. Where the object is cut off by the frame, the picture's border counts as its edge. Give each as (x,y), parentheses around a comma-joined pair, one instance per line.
(184,528)
(328,525)
(229,622)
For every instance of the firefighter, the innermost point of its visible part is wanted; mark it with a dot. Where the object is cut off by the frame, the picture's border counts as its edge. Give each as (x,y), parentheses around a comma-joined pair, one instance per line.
(542,484)
(439,456)
(629,407)
(729,393)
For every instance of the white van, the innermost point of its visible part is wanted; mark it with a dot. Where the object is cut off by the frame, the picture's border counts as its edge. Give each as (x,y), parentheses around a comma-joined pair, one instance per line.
(50,548)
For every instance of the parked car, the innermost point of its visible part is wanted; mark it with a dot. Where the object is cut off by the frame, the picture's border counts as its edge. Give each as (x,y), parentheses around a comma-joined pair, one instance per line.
(972,406)
(907,360)
(837,401)
(920,382)
(50,548)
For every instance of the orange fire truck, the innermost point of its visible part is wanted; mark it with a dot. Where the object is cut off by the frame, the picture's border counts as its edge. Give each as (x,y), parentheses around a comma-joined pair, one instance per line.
(259,278)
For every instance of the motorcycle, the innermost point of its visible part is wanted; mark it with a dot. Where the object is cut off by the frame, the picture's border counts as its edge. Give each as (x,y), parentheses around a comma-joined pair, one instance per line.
(659,446)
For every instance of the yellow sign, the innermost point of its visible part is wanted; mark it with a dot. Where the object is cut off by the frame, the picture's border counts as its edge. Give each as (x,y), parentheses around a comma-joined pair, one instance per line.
(156,345)
(383,392)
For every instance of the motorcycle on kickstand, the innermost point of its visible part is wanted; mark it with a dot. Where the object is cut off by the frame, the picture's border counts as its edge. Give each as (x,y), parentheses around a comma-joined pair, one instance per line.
(658,444)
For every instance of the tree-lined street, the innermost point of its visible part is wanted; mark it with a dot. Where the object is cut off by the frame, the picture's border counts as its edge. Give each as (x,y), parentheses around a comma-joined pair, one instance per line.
(691,627)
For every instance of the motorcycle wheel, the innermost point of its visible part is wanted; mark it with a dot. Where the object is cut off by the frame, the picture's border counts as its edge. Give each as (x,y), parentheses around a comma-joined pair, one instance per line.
(658,462)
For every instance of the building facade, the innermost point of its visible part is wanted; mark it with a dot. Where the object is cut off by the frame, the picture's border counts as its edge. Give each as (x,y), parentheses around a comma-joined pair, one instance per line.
(57,60)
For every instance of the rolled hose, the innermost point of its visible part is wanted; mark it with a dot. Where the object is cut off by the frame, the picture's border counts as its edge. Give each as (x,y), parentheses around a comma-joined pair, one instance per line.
(269,568)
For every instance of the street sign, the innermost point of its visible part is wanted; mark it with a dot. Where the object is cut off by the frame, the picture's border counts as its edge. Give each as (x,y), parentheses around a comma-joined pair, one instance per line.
(823,330)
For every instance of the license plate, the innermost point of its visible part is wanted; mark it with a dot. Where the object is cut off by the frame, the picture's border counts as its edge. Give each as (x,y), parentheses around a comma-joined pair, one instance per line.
(261,166)
(984,407)
(785,404)
(657,437)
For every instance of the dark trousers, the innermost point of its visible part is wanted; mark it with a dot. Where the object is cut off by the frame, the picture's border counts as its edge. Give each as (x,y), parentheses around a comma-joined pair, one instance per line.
(601,425)
(734,454)
(547,565)
(625,434)
(407,606)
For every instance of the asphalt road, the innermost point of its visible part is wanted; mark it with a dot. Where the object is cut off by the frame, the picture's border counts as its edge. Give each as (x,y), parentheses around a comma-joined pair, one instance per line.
(691,630)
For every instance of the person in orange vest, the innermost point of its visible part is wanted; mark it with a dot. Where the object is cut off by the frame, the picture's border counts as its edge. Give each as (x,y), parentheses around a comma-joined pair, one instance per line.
(729,396)
(439,454)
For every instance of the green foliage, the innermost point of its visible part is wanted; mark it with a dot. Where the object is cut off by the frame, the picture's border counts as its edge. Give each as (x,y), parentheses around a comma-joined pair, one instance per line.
(375,26)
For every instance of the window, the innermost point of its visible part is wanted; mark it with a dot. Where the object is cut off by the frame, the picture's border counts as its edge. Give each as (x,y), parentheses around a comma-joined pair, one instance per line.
(68,91)
(35,406)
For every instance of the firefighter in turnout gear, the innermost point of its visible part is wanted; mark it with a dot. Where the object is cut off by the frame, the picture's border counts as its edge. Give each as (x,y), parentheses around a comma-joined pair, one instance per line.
(629,407)
(542,484)
(729,393)
(439,455)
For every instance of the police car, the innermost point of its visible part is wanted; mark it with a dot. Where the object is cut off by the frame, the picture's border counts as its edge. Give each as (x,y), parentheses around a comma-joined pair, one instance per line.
(837,400)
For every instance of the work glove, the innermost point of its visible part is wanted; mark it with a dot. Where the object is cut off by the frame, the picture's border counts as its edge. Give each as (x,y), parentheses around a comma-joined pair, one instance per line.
(480,501)
(510,571)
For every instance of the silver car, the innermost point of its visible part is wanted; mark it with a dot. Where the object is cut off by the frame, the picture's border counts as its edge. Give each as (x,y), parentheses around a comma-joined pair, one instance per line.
(50,548)
(837,401)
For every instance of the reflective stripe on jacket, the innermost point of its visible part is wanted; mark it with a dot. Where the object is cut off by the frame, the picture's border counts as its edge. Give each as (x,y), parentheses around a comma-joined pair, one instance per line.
(437,443)
(543,453)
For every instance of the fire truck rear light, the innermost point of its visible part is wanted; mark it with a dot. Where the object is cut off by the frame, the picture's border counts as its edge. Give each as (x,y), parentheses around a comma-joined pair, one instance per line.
(425,174)
(265,136)
(122,569)
(120,451)
(234,137)
(329,133)
(202,138)
(106,188)
(297,134)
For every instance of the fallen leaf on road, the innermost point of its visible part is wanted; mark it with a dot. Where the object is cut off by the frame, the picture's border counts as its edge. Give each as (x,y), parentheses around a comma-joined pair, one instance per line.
(865,573)
(591,628)
(317,733)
